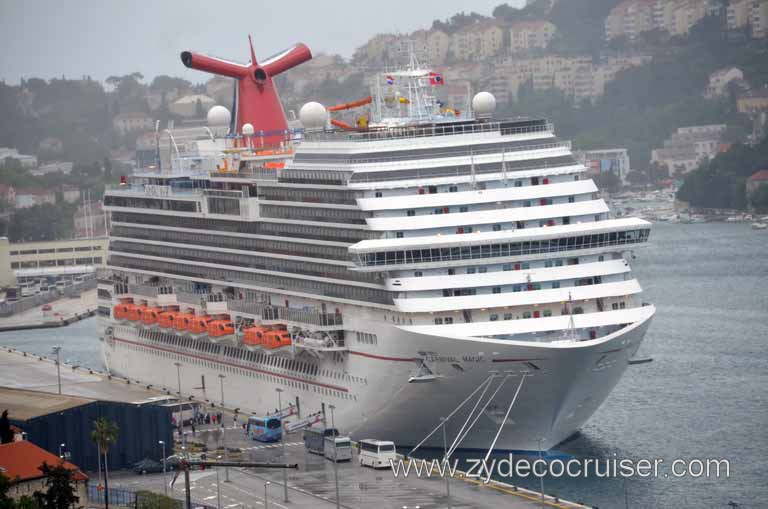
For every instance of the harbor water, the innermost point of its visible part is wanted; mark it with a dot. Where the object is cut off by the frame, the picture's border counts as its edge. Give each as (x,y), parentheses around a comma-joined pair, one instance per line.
(703,397)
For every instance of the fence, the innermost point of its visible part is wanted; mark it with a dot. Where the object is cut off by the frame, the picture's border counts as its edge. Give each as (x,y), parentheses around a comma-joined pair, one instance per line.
(137,499)
(11,308)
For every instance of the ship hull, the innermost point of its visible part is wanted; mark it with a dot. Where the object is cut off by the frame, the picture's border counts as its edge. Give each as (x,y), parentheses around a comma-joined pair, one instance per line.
(377,393)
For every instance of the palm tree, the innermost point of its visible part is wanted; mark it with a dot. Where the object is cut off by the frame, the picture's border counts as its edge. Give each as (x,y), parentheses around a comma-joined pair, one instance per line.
(104,434)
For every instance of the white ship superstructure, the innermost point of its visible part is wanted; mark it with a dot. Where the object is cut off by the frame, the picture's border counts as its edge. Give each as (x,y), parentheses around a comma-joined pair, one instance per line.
(396,267)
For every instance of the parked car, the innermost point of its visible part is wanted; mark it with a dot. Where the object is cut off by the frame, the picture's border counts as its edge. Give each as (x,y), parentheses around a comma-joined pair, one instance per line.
(148,466)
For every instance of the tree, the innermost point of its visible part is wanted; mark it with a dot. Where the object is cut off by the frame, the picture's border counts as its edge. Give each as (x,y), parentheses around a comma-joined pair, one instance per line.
(61,492)
(6,435)
(6,502)
(759,198)
(104,434)
(608,181)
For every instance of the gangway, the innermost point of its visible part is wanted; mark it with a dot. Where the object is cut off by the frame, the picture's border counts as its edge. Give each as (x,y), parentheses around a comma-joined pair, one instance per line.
(292,427)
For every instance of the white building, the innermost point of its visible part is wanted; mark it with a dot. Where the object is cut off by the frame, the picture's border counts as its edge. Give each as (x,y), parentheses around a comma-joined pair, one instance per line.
(26,161)
(187,106)
(609,160)
(127,122)
(688,147)
(719,79)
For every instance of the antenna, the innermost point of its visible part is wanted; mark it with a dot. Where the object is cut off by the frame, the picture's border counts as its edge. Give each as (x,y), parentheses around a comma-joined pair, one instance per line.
(253,53)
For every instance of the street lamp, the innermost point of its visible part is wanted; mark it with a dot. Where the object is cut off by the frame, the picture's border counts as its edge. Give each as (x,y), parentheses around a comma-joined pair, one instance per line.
(266,500)
(218,483)
(335,457)
(181,406)
(279,391)
(165,470)
(57,351)
(224,429)
(61,450)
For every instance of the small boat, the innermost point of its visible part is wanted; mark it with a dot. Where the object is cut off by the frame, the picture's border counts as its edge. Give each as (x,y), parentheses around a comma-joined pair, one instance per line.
(759,226)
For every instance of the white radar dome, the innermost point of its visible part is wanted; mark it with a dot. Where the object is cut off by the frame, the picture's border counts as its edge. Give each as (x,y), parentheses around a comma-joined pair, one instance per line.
(247,129)
(219,116)
(484,104)
(313,115)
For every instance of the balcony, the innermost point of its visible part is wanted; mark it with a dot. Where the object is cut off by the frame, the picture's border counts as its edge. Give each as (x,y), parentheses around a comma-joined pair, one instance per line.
(270,314)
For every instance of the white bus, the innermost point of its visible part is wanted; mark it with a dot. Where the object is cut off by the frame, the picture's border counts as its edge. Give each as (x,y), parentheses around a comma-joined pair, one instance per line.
(377,453)
(338,449)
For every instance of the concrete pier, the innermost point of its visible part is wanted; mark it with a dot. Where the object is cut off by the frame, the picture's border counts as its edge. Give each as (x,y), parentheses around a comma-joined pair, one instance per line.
(63,312)
(311,486)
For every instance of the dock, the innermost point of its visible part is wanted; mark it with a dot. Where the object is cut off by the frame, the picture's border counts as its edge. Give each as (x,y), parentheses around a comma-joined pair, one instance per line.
(311,486)
(62,312)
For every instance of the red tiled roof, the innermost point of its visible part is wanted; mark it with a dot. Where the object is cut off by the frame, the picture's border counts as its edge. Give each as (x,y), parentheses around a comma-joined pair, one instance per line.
(22,460)
(760,175)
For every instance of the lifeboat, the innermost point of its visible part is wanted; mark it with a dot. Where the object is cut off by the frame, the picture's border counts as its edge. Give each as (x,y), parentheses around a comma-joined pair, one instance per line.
(199,324)
(134,312)
(120,311)
(220,329)
(277,339)
(167,318)
(183,321)
(150,315)
(254,336)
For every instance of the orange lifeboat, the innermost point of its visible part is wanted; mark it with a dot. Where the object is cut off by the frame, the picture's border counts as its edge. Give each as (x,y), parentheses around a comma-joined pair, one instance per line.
(183,321)
(276,339)
(150,315)
(254,336)
(134,312)
(218,328)
(167,318)
(199,324)
(120,311)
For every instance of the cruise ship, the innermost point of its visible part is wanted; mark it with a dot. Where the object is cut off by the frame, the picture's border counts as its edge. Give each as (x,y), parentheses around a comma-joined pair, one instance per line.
(427,264)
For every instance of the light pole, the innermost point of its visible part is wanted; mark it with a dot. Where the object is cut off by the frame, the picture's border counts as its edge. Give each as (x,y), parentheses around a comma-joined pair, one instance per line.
(165,470)
(266,500)
(445,459)
(224,429)
(61,450)
(57,351)
(181,406)
(218,483)
(282,443)
(541,477)
(335,457)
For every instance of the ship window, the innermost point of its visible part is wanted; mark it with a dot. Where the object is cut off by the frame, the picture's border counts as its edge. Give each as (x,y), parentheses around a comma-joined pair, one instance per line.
(518,183)
(622,305)
(471,270)
(399,235)
(507,267)
(378,194)
(432,189)
(451,272)
(438,321)
(526,265)
(516,288)
(449,320)
(507,316)
(494,317)
(411,212)
(463,209)
(547,312)
(526,314)
(555,284)
(575,177)
(496,289)
(482,270)
(453,189)
(418,273)
(497,227)
(571,199)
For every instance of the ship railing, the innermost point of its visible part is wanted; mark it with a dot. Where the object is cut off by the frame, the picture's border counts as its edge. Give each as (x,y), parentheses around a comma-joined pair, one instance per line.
(248,173)
(195,299)
(272,313)
(414,132)
(438,155)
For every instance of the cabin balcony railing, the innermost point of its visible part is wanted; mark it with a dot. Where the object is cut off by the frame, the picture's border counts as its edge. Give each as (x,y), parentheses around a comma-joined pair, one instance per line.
(269,312)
